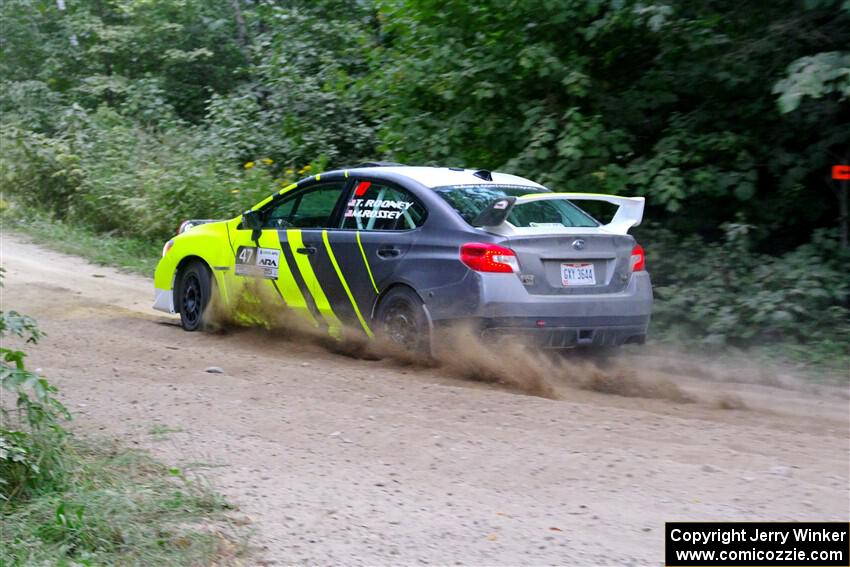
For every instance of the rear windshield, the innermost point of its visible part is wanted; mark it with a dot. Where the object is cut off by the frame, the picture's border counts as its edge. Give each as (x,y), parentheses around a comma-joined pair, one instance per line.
(470,200)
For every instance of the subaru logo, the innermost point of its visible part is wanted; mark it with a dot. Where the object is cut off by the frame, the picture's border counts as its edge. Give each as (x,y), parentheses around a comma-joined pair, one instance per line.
(578,244)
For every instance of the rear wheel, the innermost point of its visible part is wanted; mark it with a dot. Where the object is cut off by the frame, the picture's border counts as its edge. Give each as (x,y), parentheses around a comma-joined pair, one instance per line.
(194,293)
(402,320)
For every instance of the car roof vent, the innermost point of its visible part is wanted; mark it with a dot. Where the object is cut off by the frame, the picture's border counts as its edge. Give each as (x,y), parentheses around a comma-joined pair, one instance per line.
(484,174)
(377,164)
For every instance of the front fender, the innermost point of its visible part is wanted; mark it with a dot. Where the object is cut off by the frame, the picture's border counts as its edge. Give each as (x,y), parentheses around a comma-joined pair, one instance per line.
(209,242)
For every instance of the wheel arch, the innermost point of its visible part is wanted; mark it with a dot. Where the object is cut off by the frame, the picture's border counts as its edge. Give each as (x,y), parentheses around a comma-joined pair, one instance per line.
(384,292)
(178,271)
(397,285)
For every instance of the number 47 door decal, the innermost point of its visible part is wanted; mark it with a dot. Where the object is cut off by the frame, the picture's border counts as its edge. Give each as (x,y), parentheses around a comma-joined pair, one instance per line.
(257,262)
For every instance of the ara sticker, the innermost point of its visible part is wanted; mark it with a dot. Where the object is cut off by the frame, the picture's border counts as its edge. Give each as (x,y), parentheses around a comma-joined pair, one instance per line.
(257,262)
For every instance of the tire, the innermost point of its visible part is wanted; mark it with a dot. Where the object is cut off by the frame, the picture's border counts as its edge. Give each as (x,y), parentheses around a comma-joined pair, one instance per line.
(194,295)
(402,320)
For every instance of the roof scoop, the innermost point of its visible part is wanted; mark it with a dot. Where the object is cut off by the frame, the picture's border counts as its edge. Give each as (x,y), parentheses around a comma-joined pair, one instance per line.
(484,174)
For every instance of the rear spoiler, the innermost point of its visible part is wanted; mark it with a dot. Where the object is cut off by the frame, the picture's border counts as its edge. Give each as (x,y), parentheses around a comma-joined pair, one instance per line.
(629,209)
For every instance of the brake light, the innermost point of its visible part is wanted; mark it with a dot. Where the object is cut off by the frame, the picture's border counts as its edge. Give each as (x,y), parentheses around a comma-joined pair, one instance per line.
(167,247)
(638,260)
(489,258)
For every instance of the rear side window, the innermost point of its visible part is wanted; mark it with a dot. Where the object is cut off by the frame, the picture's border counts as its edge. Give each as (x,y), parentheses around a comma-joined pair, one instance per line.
(470,200)
(374,206)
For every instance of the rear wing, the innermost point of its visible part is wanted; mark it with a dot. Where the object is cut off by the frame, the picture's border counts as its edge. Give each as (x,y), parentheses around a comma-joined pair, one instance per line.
(629,211)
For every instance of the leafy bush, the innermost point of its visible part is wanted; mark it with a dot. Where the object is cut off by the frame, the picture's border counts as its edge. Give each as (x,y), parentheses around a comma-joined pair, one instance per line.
(103,171)
(725,293)
(32,438)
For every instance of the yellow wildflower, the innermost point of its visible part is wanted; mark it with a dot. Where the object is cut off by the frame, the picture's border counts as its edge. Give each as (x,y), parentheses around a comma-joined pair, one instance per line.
(249,165)
(305,169)
(234,191)
(267,161)
(290,171)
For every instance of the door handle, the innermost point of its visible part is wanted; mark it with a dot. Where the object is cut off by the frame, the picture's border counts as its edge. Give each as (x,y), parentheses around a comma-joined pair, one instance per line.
(307,250)
(389,252)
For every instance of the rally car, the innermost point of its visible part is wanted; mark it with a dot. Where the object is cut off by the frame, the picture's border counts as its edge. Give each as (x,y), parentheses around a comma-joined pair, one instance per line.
(401,251)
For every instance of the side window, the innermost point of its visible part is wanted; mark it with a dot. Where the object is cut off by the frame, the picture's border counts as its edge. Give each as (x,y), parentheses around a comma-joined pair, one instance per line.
(308,208)
(374,206)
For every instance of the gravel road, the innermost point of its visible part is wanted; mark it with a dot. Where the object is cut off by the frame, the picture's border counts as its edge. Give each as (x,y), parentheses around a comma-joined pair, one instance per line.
(336,460)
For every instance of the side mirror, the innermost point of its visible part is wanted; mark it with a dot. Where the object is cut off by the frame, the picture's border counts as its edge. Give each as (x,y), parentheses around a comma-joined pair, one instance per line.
(252,220)
(495,213)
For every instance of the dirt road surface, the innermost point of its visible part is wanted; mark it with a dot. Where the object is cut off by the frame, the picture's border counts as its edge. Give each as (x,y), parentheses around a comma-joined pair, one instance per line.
(342,461)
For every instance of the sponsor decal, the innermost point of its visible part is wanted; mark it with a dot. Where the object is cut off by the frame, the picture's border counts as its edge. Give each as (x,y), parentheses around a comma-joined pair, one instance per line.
(377,208)
(256,262)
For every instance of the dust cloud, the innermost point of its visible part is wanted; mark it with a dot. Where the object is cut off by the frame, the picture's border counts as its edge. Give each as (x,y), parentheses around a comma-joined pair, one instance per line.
(458,352)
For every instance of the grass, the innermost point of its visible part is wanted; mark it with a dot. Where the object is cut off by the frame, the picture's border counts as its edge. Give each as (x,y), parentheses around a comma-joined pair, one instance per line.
(116,506)
(131,254)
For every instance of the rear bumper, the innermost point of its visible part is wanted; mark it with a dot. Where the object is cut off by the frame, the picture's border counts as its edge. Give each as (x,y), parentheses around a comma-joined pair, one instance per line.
(498,304)
(587,333)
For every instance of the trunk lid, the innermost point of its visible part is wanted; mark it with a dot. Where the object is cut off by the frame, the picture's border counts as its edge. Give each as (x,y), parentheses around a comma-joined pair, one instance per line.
(575,264)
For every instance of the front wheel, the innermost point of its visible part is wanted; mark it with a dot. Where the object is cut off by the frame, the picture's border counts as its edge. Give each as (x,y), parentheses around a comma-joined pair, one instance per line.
(403,320)
(194,294)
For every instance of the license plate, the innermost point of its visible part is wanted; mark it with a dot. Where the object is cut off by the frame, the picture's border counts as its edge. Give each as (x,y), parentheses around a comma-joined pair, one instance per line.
(578,274)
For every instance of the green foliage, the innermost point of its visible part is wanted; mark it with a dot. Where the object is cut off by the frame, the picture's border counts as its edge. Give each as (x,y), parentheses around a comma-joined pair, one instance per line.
(103,171)
(669,101)
(31,435)
(127,118)
(814,76)
(115,53)
(724,293)
(118,507)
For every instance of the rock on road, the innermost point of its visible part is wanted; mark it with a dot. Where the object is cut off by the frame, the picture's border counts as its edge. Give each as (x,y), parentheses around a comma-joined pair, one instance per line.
(344,461)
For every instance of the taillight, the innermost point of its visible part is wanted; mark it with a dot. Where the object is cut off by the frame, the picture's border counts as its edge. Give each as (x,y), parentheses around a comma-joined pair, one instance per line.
(167,247)
(489,258)
(638,259)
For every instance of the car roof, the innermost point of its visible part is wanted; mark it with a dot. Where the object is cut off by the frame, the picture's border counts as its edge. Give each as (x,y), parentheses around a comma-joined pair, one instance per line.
(442,176)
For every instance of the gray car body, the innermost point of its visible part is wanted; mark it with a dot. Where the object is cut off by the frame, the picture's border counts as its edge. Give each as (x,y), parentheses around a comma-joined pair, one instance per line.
(497,302)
